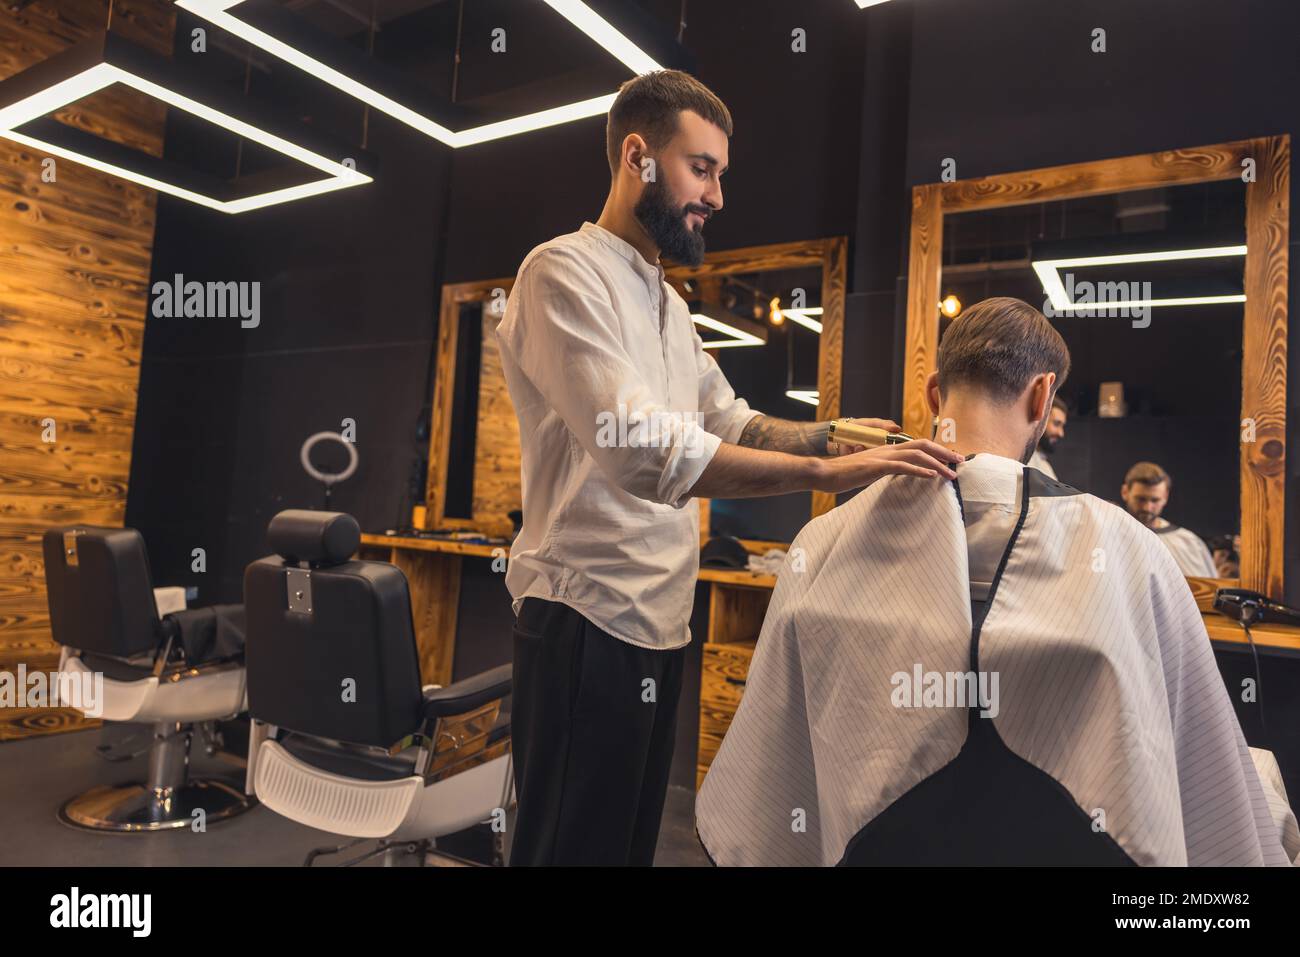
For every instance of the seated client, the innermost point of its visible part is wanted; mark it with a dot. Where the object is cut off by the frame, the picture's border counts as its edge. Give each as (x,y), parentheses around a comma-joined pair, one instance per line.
(993,670)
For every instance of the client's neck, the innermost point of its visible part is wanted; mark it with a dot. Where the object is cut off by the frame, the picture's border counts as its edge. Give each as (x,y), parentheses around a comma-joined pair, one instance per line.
(979,426)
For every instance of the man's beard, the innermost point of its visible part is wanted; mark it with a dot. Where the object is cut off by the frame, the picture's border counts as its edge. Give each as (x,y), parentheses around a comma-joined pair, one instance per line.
(1047,444)
(1146,519)
(666,224)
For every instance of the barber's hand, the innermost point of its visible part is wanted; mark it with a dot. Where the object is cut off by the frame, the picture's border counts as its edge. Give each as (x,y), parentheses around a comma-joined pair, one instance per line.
(848,448)
(918,457)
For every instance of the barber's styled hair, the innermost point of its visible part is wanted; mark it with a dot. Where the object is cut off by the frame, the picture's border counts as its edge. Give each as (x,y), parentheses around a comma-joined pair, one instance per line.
(1148,473)
(648,104)
(998,346)
(1059,403)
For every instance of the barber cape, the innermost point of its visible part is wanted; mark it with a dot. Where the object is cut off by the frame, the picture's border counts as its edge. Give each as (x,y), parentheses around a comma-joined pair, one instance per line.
(1075,716)
(1191,554)
(1039,461)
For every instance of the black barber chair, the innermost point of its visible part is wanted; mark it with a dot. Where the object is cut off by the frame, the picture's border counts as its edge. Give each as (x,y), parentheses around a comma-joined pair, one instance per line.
(122,661)
(345,738)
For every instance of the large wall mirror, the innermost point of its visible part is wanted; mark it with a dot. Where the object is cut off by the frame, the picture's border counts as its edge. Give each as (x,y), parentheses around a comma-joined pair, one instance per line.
(773,318)
(1166,276)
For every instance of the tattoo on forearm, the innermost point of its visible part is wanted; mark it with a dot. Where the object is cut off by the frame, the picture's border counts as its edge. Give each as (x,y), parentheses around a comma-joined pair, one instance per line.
(783,435)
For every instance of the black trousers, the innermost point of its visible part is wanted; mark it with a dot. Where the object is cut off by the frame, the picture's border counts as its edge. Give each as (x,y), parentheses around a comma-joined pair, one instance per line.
(592,722)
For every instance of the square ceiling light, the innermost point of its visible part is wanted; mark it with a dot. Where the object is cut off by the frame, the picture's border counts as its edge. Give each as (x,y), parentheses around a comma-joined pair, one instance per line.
(279,33)
(102,60)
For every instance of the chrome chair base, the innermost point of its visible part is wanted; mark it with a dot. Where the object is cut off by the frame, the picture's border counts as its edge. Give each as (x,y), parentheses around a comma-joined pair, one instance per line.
(136,807)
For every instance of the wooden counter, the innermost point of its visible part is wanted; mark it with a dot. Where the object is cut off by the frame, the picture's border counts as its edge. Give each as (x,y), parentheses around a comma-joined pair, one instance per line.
(434,545)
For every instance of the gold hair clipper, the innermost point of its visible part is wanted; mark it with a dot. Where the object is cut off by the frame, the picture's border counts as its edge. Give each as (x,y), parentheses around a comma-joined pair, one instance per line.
(851,433)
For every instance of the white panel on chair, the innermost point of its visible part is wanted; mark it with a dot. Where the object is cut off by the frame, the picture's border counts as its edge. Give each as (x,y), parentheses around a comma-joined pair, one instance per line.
(119,700)
(458,802)
(169,599)
(331,802)
(218,693)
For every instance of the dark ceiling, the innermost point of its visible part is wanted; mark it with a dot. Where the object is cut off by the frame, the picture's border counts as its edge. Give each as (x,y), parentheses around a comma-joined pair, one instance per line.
(548,62)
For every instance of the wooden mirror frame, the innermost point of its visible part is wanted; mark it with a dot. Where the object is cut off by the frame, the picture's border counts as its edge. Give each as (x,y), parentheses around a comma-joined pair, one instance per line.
(830,254)
(1264,327)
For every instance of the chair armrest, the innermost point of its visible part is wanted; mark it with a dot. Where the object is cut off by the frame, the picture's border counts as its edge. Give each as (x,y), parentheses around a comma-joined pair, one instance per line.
(208,634)
(468,694)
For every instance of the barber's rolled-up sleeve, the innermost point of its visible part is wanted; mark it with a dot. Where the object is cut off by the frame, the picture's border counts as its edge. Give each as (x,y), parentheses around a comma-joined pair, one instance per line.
(723,412)
(561,330)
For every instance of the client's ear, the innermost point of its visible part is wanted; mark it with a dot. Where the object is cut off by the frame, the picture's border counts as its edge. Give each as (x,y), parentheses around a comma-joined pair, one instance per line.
(932,393)
(1040,395)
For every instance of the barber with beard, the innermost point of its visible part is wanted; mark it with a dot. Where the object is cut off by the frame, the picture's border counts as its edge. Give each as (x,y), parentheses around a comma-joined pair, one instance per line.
(623,420)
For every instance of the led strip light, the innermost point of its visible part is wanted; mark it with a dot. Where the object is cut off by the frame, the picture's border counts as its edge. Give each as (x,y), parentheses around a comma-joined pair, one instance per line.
(92,79)
(804,316)
(1049,274)
(739,337)
(217,12)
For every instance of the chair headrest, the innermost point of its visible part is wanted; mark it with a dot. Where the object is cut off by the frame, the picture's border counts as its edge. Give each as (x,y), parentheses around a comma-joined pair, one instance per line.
(322,538)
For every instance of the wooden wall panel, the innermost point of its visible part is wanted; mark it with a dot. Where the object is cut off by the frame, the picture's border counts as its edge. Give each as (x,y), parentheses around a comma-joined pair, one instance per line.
(1263,370)
(74,274)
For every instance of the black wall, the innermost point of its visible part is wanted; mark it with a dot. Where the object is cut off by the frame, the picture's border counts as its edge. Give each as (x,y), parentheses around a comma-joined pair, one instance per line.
(349,297)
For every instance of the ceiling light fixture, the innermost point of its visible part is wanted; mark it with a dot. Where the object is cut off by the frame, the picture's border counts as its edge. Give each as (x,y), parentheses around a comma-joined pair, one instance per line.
(1049,274)
(258,20)
(102,60)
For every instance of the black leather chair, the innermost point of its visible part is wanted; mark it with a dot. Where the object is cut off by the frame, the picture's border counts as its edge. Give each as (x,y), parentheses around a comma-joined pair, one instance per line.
(122,661)
(345,738)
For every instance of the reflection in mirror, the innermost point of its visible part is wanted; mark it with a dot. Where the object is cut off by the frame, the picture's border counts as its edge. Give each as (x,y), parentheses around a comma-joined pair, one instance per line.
(1146,288)
(764,329)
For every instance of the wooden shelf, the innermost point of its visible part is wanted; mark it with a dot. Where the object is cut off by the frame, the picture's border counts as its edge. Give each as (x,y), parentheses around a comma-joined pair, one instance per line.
(735,576)
(1282,637)
(446,546)
(723,576)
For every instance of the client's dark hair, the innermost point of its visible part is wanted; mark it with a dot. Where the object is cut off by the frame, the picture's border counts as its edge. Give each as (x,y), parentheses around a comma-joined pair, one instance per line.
(648,104)
(998,346)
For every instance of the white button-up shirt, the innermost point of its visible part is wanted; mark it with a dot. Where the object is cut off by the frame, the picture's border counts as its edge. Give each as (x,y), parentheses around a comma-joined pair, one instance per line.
(620,409)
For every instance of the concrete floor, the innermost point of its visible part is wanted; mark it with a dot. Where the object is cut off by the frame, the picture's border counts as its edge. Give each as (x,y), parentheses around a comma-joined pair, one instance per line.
(38,774)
